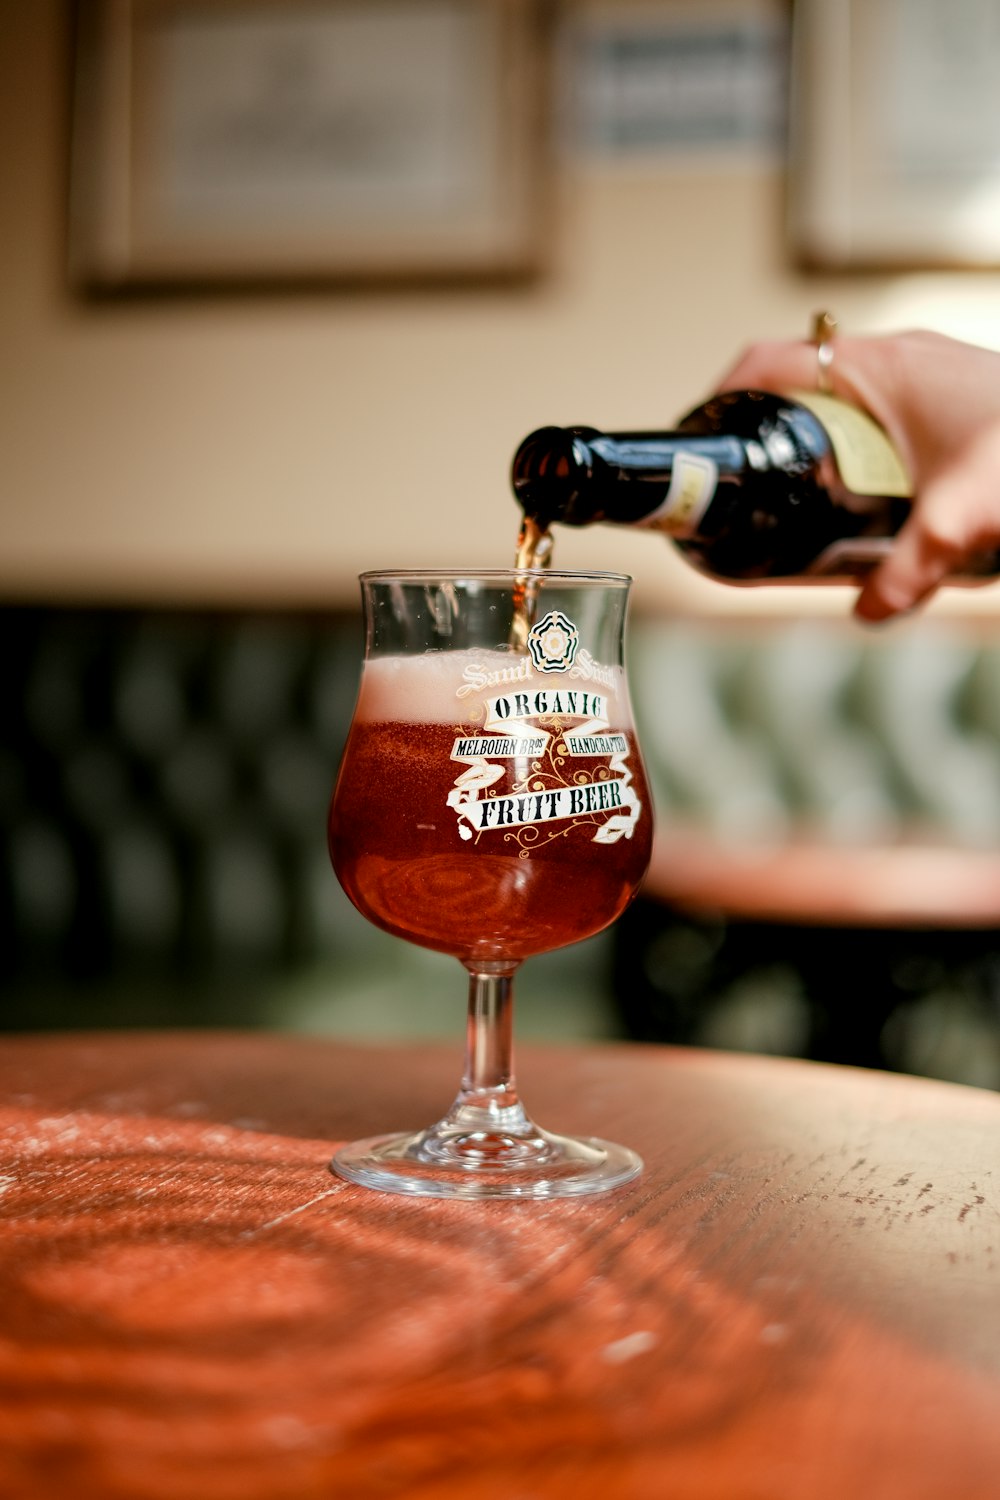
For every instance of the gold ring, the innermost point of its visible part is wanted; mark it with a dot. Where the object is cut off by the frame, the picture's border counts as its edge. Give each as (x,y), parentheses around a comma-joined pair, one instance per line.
(824,328)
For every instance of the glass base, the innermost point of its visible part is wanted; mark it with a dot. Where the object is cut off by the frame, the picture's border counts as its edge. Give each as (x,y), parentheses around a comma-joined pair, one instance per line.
(450,1161)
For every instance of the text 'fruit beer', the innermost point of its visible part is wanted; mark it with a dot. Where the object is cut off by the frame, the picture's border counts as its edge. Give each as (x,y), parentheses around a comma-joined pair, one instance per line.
(491,804)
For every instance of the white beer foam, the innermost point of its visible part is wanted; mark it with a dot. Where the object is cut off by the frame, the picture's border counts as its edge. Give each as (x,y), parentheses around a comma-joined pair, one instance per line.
(440,687)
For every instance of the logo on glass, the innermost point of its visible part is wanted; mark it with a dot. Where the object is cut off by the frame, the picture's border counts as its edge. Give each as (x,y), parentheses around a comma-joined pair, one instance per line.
(553,642)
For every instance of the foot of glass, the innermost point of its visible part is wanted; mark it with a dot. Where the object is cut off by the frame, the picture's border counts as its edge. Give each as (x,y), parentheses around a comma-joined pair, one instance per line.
(463,1158)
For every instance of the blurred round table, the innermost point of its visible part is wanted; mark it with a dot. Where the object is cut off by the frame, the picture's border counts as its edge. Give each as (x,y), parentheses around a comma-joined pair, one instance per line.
(800,1297)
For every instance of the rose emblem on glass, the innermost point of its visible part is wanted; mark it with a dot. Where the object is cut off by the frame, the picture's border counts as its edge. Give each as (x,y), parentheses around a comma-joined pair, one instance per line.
(553,642)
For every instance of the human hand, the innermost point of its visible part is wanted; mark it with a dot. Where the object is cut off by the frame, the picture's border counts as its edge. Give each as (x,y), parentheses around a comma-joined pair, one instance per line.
(939,401)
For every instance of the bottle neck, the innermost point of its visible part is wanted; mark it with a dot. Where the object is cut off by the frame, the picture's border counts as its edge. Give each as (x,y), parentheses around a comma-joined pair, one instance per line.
(578,476)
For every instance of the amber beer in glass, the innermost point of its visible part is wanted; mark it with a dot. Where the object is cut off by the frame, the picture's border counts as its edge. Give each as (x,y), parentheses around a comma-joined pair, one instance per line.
(491,804)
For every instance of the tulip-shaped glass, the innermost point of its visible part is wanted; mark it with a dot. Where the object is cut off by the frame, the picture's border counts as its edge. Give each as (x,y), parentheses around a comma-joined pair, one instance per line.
(491,804)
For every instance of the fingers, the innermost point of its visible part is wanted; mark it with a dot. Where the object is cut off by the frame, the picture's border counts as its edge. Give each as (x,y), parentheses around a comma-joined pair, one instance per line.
(915,567)
(780,366)
(862,372)
(956,516)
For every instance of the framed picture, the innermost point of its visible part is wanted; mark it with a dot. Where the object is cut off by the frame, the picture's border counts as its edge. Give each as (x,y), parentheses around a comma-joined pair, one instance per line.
(235,141)
(895,134)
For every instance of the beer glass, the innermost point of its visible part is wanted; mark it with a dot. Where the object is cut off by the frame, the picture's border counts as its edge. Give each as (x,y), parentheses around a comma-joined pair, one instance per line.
(491,804)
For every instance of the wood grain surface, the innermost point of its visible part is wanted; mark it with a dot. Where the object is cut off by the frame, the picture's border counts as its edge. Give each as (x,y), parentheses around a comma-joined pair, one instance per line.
(800,1297)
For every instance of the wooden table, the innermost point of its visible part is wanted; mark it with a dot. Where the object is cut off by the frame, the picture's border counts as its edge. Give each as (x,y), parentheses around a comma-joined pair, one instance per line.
(800,1298)
(808,880)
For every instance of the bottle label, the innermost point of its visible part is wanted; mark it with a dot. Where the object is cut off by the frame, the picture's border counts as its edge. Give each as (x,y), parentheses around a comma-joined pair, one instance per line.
(868,462)
(692,486)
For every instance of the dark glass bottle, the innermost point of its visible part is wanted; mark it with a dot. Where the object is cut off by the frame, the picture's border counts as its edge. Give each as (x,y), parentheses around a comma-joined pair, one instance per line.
(751,487)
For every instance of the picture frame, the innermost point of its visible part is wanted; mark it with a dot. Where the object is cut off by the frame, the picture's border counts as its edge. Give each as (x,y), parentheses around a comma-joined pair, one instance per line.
(300,142)
(894,147)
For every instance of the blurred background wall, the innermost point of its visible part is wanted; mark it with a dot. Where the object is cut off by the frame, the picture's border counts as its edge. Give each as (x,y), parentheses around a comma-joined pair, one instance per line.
(269,447)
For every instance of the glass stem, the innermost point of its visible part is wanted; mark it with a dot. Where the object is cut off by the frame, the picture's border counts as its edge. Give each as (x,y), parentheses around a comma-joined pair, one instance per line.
(488,1086)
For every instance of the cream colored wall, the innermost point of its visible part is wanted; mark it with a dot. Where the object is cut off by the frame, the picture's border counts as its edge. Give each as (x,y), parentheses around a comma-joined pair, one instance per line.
(271,448)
